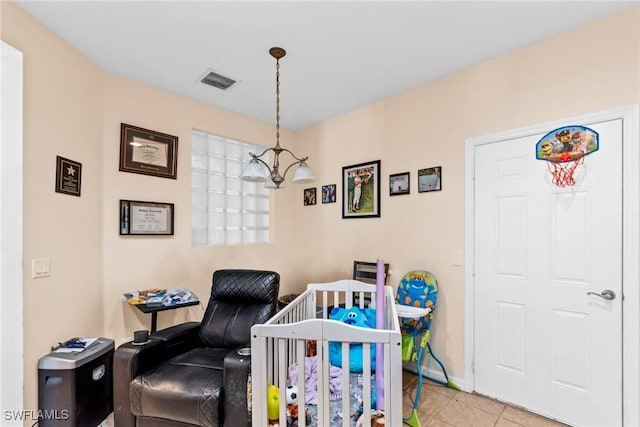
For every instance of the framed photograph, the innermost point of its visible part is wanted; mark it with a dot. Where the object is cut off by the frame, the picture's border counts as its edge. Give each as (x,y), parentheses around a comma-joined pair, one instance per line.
(361,190)
(145,218)
(399,183)
(430,179)
(148,152)
(310,196)
(329,193)
(68,176)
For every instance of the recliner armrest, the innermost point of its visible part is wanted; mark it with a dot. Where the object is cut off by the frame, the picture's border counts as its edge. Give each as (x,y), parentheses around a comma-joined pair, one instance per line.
(235,378)
(129,360)
(179,338)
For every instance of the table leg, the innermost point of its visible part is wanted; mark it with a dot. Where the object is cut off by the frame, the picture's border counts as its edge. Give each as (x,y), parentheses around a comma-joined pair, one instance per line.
(154,321)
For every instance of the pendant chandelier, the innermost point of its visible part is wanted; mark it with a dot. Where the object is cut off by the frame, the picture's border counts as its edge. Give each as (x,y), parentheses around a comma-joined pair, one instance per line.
(258,170)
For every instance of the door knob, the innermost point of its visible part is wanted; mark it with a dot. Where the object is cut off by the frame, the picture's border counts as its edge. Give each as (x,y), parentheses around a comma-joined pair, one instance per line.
(606,294)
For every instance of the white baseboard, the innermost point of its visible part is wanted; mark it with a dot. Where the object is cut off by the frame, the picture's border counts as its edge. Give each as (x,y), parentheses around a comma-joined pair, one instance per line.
(432,370)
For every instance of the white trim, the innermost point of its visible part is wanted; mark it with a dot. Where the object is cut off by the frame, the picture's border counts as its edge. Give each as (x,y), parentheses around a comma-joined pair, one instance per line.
(11,246)
(630,247)
(433,372)
(630,277)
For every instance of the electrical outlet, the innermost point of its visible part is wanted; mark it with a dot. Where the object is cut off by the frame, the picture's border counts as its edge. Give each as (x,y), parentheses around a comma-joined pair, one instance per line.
(456,258)
(40,267)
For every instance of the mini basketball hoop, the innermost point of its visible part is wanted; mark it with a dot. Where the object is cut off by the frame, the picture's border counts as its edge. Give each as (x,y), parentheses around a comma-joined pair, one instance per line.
(564,150)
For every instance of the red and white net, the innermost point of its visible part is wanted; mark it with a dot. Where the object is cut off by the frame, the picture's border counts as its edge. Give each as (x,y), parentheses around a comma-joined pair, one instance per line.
(562,172)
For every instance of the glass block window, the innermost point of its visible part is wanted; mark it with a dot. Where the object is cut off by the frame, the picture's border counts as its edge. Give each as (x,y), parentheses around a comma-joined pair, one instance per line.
(224,209)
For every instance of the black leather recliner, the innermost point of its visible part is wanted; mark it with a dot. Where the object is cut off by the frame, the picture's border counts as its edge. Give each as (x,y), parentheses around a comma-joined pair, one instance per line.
(192,374)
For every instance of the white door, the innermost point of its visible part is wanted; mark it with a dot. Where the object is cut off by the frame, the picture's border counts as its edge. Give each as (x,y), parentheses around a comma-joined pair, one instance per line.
(542,341)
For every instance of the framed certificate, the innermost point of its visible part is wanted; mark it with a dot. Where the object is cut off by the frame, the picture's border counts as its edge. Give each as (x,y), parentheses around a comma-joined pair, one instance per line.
(148,152)
(146,218)
(68,176)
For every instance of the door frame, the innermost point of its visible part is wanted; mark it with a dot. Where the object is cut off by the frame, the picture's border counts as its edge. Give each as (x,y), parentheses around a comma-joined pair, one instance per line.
(11,247)
(630,246)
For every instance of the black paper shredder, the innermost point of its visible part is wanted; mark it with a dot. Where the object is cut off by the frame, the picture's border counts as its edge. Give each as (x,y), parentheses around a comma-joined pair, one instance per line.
(76,389)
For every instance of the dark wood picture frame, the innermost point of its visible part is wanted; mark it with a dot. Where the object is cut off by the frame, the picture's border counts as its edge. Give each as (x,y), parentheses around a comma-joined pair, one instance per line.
(361,190)
(148,152)
(68,176)
(309,196)
(430,179)
(329,193)
(141,218)
(399,183)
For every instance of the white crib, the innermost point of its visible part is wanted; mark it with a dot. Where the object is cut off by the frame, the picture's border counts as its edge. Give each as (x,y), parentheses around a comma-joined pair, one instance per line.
(282,341)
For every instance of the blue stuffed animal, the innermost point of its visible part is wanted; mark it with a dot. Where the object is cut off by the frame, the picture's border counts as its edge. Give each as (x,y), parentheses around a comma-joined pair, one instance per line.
(365,318)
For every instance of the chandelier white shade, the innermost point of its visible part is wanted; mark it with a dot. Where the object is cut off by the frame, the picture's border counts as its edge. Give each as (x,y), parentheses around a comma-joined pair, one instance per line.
(303,175)
(258,170)
(254,172)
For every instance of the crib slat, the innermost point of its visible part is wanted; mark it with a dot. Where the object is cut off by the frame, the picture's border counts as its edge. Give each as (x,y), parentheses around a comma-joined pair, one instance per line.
(323,382)
(366,384)
(282,381)
(301,352)
(387,379)
(346,389)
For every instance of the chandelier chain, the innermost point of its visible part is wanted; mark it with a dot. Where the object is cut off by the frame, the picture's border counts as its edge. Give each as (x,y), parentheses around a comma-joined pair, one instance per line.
(278,102)
(275,178)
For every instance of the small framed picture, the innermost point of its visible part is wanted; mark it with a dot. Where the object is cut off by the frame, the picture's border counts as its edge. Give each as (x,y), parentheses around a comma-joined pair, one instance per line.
(148,152)
(430,179)
(146,218)
(329,193)
(68,176)
(310,196)
(399,183)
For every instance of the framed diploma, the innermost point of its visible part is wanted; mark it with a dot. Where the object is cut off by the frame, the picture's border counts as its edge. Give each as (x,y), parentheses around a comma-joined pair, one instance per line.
(148,152)
(145,218)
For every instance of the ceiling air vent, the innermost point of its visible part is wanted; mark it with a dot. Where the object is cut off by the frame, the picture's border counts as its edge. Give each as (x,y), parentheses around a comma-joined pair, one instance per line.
(217,80)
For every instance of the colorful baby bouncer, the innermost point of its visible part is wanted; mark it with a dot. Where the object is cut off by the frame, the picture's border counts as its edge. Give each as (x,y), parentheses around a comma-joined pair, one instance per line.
(416,299)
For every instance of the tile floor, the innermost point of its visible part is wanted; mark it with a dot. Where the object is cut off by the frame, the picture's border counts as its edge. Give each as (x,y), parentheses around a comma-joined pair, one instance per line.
(441,406)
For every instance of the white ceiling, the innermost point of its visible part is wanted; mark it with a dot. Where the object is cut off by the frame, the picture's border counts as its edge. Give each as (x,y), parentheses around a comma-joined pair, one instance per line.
(340,55)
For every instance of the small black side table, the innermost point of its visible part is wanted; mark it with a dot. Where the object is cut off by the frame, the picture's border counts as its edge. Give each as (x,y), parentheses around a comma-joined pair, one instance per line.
(155,309)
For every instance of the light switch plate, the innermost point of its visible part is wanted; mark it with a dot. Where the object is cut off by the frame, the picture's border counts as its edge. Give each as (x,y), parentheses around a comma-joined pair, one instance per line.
(40,267)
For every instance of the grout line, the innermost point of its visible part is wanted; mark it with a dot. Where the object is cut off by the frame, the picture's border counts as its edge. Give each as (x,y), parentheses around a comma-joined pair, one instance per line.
(436,415)
(504,407)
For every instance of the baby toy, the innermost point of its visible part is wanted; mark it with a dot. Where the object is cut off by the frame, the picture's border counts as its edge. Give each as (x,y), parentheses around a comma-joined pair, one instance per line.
(292,394)
(377,419)
(365,318)
(292,407)
(273,405)
(292,403)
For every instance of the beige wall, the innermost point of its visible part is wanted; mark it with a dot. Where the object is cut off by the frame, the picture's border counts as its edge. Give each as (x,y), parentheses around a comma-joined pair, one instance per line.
(74,109)
(594,68)
(63,116)
(132,263)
